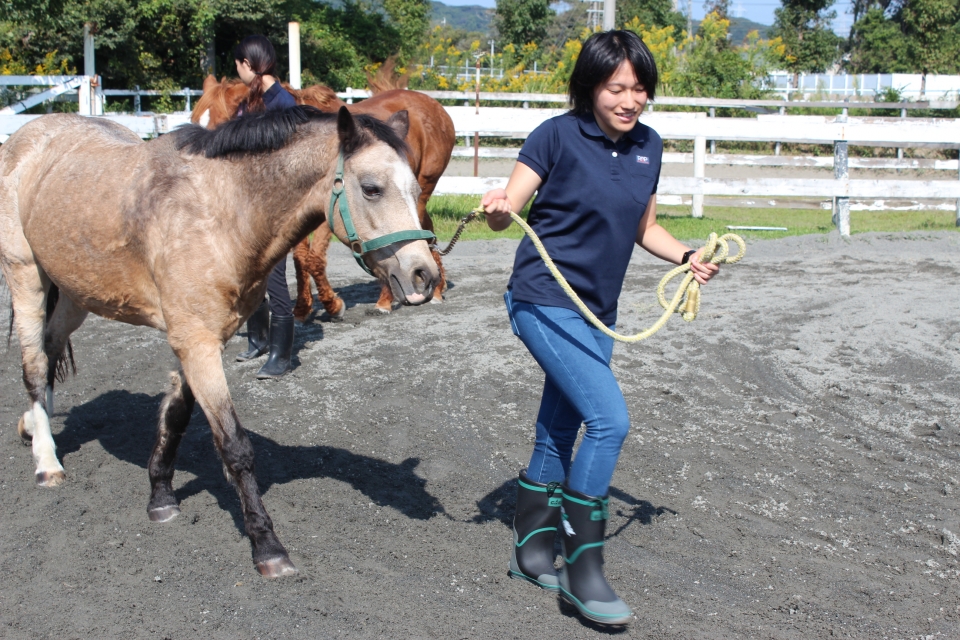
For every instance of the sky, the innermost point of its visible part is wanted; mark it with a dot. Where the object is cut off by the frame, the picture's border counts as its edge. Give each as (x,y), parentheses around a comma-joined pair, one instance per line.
(757,10)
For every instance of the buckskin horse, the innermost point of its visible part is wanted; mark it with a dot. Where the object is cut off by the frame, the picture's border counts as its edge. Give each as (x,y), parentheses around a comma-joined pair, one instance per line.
(181,238)
(431,138)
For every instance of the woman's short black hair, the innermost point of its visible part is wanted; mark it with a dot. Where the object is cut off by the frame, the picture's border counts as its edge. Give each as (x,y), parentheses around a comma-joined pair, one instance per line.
(602,53)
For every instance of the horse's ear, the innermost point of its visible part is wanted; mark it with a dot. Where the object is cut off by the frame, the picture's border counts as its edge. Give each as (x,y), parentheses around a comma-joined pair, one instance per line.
(400,122)
(347,131)
(209,82)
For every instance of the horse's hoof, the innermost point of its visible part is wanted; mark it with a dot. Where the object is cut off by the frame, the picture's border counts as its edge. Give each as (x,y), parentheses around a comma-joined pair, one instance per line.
(339,313)
(379,311)
(276,567)
(436,300)
(51,478)
(22,430)
(163,514)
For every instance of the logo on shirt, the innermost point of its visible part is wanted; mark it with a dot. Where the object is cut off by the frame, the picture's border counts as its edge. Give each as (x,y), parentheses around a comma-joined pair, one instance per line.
(643,159)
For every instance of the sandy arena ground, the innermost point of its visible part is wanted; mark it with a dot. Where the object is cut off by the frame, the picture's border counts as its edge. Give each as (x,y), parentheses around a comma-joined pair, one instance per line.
(791,473)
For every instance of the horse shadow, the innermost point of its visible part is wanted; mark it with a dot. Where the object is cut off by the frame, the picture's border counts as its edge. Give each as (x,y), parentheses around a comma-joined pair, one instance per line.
(124,424)
(501,503)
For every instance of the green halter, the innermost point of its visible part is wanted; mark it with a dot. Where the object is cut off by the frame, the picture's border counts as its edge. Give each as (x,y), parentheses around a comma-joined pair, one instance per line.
(358,246)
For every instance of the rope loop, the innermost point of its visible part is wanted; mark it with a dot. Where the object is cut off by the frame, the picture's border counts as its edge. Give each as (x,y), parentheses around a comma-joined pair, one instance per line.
(685,301)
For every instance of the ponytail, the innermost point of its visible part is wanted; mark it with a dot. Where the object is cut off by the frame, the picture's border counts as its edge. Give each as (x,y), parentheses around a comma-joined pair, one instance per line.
(262,57)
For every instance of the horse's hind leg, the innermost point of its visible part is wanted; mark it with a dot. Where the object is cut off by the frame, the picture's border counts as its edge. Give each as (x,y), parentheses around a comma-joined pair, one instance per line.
(175,413)
(203,369)
(63,318)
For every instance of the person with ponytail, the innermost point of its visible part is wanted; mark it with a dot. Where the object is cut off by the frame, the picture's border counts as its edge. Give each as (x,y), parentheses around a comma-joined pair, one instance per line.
(270,328)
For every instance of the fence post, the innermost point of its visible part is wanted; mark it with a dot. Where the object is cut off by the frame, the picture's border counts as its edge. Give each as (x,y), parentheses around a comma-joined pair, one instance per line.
(903,114)
(776,149)
(699,164)
(84,95)
(476,134)
(136,99)
(186,92)
(94,90)
(713,143)
(958,176)
(293,28)
(841,171)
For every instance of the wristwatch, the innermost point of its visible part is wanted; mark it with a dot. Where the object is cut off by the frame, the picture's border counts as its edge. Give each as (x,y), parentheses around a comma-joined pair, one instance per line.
(686,256)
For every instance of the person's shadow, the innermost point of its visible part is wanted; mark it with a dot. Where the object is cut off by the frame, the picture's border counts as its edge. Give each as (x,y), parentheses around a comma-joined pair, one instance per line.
(124,423)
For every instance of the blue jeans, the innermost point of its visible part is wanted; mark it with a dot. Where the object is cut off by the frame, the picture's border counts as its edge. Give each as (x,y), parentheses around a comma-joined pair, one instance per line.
(579,389)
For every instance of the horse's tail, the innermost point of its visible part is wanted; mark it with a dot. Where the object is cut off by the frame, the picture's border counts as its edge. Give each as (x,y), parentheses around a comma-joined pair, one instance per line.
(386,78)
(65,363)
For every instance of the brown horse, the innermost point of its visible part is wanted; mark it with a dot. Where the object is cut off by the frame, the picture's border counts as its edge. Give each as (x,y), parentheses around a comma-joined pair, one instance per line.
(181,236)
(431,139)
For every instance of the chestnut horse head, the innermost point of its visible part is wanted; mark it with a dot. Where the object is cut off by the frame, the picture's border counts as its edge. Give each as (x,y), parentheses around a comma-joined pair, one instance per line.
(220,100)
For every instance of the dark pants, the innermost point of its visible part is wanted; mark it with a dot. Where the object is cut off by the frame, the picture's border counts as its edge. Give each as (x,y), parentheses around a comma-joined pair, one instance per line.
(281,304)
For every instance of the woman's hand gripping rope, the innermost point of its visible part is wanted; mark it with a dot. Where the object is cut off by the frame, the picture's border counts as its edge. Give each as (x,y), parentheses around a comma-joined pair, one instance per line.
(686,300)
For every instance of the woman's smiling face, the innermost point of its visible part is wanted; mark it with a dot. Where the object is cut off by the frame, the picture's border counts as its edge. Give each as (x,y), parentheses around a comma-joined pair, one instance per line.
(618,102)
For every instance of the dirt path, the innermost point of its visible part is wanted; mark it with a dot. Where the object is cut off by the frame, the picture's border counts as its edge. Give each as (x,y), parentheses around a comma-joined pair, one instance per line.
(792,470)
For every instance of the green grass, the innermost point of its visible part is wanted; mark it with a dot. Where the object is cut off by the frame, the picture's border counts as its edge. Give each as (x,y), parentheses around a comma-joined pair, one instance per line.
(447,211)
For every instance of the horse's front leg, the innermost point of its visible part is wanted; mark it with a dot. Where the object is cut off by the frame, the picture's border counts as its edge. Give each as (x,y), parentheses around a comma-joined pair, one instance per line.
(315,263)
(427,223)
(200,356)
(28,292)
(175,413)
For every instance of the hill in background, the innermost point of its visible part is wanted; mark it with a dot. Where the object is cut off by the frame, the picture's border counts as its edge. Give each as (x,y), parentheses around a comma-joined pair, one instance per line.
(479,19)
(740,27)
(469,18)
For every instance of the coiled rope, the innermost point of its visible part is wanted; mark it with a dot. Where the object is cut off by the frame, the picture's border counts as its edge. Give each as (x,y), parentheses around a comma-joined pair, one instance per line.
(686,300)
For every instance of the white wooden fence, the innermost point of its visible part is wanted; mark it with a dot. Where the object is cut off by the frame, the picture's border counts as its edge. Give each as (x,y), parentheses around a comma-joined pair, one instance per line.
(519,122)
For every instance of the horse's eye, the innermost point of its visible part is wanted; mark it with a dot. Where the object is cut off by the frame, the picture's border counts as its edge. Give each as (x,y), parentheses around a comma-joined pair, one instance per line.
(371,191)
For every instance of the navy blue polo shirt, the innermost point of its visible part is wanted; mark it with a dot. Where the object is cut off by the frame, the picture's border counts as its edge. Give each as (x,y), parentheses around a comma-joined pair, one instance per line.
(587,210)
(276,98)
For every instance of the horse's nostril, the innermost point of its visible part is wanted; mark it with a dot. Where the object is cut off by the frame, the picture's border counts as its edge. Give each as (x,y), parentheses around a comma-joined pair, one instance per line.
(420,278)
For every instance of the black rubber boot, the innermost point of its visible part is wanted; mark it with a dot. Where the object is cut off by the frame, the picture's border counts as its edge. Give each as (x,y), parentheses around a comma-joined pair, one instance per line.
(534,530)
(281,348)
(257,338)
(581,580)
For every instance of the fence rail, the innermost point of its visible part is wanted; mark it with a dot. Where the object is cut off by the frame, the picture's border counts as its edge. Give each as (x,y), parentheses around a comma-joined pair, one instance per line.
(839,131)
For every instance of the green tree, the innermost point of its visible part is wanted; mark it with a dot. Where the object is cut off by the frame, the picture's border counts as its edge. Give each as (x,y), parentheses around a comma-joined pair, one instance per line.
(715,68)
(332,40)
(933,39)
(521,21)
(652,13)
(804,28)
(411,19)
(877,44)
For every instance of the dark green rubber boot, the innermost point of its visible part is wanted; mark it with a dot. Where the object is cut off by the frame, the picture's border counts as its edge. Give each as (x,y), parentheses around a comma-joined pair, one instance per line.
(281,348)
(581,580)
(534,530)
(257,334)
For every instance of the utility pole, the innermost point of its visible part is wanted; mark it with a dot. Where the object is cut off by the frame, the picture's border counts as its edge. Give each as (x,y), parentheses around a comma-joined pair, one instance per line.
(609,14)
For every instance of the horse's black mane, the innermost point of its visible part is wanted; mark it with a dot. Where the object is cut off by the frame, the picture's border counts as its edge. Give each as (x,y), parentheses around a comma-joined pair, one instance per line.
(269,131)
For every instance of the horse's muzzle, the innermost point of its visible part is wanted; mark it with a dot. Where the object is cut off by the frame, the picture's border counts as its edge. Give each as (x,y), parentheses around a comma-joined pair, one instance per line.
(412,273)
